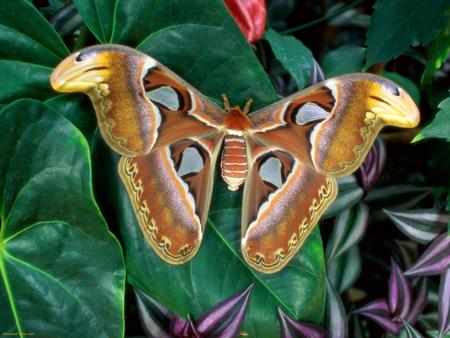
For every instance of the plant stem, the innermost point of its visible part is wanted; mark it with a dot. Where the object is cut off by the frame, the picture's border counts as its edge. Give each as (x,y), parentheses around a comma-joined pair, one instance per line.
(323,18)
(82,38)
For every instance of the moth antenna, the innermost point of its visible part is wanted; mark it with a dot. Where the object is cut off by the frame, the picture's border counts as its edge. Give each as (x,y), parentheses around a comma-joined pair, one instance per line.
(247,105)
(226,102)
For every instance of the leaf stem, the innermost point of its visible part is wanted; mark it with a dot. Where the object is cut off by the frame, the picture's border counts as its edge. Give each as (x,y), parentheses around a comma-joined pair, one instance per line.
(82,38)
(323,18)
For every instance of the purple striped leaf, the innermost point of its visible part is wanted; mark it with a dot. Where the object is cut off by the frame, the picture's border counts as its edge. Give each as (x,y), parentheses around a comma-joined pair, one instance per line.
(348,230)
(397,197)
(225,319)
(155,318)
(420,301)
(399,292)
(181,328)
(344,270)
(411,332)
(337,325)
(378,311)
(444,304)
(420,225)
(291,328)
(435,260)
(372,166)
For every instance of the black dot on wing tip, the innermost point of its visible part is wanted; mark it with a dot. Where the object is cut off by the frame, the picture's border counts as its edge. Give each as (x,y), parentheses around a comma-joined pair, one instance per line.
(79,57)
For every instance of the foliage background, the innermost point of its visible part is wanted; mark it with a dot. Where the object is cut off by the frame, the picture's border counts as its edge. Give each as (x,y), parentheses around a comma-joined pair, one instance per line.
(63,272)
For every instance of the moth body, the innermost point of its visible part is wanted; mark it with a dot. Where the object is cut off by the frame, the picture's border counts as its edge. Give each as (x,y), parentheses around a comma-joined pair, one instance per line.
(234,162)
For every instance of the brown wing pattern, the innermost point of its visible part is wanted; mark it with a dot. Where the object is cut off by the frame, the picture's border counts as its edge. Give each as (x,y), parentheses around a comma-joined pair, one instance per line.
(332,125)
(290,198)
(170,191)
(310,138)
(168,132)
(120,82)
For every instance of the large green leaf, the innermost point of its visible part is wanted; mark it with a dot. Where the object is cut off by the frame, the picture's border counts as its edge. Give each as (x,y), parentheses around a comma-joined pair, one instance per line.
(25,34)
(440,126)
(62,272)
(343,60)
(396,25)
(22,79)
(78,110)
(208,66)
(295,57)
(29,48)
(98,16)
(218,269)
(137,19)
(439,51)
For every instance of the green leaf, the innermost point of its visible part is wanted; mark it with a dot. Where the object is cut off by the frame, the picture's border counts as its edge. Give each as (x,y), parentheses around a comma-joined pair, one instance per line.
(21,79)
(98,16)
(343,60)
(407,84)
(438,52)
(208,66)
(397,25)
(78,110)
(137,19)
(218,269)
(62,272)
(295,57)
(29,48)
(440,126)
(27,36)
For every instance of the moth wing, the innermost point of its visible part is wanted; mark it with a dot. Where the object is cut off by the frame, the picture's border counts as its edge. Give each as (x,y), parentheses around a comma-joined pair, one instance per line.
(170,191)
(138,101)
(331,126)
(283,200)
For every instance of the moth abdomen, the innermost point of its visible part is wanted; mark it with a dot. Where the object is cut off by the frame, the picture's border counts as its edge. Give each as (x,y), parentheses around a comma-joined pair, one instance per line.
(234,162)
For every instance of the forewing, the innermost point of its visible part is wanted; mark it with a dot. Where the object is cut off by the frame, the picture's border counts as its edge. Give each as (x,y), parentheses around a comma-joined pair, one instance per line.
(138,101)
(331,126)
(170,191)
(283,200)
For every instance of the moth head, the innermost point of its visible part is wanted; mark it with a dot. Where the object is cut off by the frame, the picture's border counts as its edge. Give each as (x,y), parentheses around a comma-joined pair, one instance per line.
(389,102)
(91,68)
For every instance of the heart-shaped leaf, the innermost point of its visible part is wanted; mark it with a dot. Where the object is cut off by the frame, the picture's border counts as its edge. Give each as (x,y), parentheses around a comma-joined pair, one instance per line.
(98,16)
(208,66)
(218,270)
(62,272)
(29,48)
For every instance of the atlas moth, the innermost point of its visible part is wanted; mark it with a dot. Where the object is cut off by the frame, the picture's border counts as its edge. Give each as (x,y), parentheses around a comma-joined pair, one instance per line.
(287,156)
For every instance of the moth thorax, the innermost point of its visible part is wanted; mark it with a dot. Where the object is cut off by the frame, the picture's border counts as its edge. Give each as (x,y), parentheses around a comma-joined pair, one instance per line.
(234,160)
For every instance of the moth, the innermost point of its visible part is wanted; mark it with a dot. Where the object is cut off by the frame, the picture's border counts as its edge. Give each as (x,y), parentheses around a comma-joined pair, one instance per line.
(286,156)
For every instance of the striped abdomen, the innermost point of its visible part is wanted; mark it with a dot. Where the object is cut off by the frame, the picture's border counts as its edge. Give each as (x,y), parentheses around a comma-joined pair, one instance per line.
(234,161)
